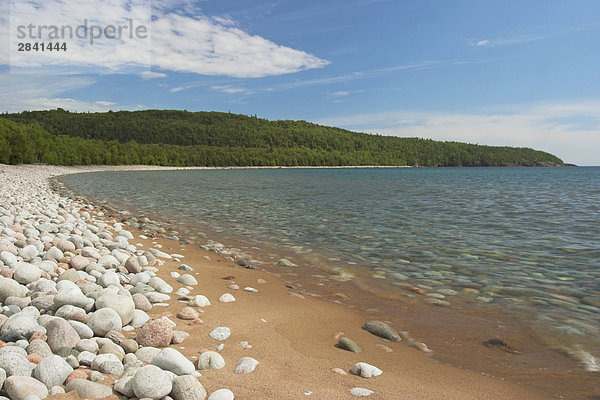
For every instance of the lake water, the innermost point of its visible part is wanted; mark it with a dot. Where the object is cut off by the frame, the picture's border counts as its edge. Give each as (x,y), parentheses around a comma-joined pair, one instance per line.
(522,241)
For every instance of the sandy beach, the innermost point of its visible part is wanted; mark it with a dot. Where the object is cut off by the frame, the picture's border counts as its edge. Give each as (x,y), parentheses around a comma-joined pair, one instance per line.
(291,335)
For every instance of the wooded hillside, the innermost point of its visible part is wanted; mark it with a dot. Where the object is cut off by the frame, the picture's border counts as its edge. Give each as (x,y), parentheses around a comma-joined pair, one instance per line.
(181,138)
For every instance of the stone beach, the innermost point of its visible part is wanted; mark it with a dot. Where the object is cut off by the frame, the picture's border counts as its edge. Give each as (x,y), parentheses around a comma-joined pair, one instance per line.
(92,307)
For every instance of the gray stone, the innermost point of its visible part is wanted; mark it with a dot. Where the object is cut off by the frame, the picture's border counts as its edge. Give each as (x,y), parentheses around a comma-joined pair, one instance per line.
(69,275)
(187,387)
(38,346)
(108,261)
(26,273)
(86,358)
(246,365)
(82,329)
(68,311)
(172,360)
(141,302)
(199,301)
(103,321)
(8,258)
(109,278)
(221,394)
(79,262)
(54,390)
(139,319)
(19,387)
(72,361)
(125,386)
(360,392)
(20,302)
(220,333)
(381,329)
(72,296)
(87,345)
(211,360)
(21,323)
(9,287)
(226,298)
(348,344)
(61,334)
(155,297)
(365,370)
(160,285)
(147,354)
(132,265)
(15,364)
(28,252)
(52,371)
(187,279)
(87,389)
(123,305)
(13,349)
(55,253)
(151,382)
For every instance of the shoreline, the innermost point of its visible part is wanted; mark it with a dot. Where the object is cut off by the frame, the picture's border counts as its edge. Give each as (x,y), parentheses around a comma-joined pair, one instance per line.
(297,337)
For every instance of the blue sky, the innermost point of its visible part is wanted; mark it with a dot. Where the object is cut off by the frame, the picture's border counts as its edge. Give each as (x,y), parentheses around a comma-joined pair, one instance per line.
(519,73)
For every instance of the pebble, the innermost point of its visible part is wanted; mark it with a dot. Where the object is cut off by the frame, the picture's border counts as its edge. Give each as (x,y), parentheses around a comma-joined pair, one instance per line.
(52,371)
(103,321)
(220,333)
(246,365)
(211,360)
(339,371)
(187,279)
(15,364)
(20,387)
(172,360)
(88,389)
(360,392)
(199,301)
(187,387)
(365,370)
(187,313)
(381,329)
(226,298)
(222,394)
(157,333)
(151,382)
(349,345)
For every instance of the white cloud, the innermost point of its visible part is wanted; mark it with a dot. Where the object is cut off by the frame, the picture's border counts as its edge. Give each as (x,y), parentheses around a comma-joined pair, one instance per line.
(568,129)
(152,75)
(174,41)
(211,47)
(84,27)
(482,43)
(341,93)
(231,89)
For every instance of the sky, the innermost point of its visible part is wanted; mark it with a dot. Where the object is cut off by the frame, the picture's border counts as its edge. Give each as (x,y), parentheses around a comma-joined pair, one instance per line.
(517,73)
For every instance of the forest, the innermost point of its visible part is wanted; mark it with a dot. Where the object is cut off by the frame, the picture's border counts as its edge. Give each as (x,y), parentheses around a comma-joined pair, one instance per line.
(182,138)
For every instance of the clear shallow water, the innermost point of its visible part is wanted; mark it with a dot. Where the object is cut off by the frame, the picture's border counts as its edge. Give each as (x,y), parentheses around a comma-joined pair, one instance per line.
(525,240)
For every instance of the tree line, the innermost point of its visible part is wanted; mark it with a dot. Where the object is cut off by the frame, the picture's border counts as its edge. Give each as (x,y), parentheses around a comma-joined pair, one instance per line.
(181,138)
